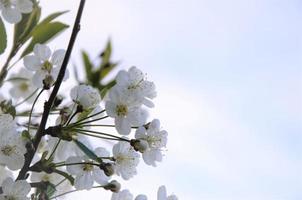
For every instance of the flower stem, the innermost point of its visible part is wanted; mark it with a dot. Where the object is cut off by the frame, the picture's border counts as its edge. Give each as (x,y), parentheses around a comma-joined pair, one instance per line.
(48,105)
(32,108)
(27,98)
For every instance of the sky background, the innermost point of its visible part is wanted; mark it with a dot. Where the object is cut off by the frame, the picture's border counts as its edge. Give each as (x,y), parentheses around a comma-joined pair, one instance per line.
(229,82)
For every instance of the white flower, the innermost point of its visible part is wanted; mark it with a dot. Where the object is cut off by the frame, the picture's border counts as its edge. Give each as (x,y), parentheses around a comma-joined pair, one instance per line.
(12,9)
(86,174)
(15,190)
(122,195)
(125,112)
(12,150)
(86,96)
(4,173)
(162,194)
(22,85)
(141,197)
(156,139)
(7,124)
(62,185)
(67,149)
(126,160)
(135,84)
(46,68)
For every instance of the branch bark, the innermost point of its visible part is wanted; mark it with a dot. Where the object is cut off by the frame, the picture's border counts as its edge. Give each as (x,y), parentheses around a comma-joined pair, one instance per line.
(48,104)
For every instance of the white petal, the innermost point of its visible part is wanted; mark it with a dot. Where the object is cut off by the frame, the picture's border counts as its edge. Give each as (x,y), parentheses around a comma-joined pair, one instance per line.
(110,109)
(138,117)
(58,57)
(42,51)
(7,185)
(38,78)
(162,193)
(122,126)
(74,169)
(21,188)
(32,63)
(140,133)
(141,197)
(100,177)
(135,74)
(11,15)
(24,6)
(122,78)
(84,181)
(101,152)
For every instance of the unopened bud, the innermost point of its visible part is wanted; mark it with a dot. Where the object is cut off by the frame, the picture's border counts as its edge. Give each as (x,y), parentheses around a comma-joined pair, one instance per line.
(47,82)
(108,168)
(139,145)
(113,186)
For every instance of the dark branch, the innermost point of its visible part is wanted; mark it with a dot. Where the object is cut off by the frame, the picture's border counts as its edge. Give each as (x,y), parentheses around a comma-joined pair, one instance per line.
(48,104)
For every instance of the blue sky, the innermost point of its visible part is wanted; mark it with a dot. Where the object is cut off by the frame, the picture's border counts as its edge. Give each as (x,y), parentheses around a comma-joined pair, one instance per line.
(229,79)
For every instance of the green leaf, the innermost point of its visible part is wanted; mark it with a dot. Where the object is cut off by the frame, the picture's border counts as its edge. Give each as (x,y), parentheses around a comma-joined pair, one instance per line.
(52,16)
(3,37)
(87,151)
(106,66)
(87,64)
(23,29)
(51,189)
(104,89)
(107,69)
(44,33)
(106,53)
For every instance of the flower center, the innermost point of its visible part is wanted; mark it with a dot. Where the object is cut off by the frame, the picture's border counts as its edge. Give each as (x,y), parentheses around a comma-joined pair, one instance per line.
(121,110)
(87,167)
(8,150)
(135,85)
(23,87)
(153,141)
(47,66)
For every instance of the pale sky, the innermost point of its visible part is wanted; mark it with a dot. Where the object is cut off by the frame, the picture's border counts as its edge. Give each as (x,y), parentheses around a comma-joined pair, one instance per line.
(229,82)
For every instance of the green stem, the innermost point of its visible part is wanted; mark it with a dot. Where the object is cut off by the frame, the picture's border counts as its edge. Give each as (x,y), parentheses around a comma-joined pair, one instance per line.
(32,108)
(79,163)
(100,133)
(27,98)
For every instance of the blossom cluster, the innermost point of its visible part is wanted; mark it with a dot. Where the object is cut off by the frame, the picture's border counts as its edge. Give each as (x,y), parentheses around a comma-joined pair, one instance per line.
(65,158)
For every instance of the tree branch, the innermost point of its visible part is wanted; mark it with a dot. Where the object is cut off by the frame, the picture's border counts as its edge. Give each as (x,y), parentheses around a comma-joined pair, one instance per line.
(48,104)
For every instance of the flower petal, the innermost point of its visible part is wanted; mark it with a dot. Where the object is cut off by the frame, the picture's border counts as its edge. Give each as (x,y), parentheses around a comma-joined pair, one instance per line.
(32,63)
(11,15)
(24,6)
(58,57)
(42,51)
(122,126)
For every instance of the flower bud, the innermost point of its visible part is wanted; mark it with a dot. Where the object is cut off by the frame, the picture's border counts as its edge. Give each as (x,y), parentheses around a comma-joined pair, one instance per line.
(47,82)
(108,168)
(113,186)
(139,145)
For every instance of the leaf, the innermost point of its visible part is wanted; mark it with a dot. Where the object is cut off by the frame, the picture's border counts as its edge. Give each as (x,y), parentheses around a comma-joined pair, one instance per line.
(44,33)
(104,89)
(3,37)
(87,64)
(87,151)
(51,189)
(106,66)
(51,17)
(106,53)
(107,69)
(23,29)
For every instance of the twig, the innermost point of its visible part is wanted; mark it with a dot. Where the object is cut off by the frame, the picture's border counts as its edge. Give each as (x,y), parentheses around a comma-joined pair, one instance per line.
(48,104)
